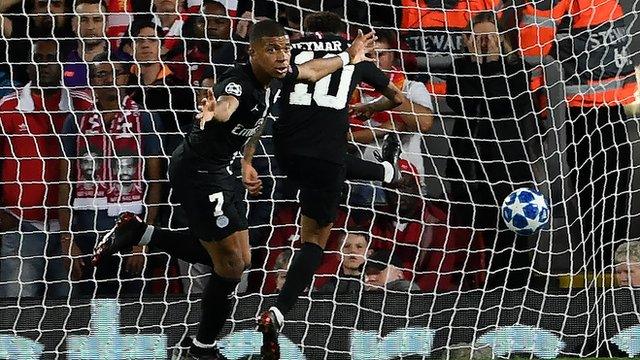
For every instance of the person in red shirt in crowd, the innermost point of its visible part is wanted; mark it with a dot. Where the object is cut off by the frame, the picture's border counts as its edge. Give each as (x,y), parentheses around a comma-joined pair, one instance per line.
(31,118)
(418,233)
(218,26)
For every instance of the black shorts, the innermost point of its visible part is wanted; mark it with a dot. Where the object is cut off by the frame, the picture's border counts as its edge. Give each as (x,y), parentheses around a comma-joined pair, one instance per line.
(320,183)
(209,195)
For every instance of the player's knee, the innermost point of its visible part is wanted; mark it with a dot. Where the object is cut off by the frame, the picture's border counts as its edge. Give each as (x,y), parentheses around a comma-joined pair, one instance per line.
(233,265)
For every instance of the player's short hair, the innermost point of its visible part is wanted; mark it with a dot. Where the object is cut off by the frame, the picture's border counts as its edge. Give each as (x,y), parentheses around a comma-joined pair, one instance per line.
(628,252)
(323,21)
(265,28)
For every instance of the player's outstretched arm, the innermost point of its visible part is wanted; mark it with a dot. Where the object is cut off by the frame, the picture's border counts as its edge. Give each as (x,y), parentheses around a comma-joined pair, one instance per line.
(316,69)
(392,98)
(218,110)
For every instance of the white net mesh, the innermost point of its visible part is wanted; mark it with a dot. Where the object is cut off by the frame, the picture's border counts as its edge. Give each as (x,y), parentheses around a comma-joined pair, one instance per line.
(531,94)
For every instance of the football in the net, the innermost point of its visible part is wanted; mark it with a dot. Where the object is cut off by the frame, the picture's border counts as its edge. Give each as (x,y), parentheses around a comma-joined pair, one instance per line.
(525,211)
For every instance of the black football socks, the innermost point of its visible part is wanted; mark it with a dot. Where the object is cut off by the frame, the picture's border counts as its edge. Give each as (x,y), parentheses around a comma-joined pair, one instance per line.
(299,276)
(358,169)
(216,307)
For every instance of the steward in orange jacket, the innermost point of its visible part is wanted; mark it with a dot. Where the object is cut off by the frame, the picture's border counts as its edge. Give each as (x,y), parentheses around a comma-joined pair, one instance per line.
(589,39)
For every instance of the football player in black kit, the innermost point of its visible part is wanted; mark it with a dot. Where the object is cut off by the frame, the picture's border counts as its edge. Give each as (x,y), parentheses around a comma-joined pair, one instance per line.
(310,140)
(232,114)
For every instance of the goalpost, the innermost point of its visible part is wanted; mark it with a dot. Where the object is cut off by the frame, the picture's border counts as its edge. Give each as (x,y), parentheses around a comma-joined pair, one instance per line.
(484,293)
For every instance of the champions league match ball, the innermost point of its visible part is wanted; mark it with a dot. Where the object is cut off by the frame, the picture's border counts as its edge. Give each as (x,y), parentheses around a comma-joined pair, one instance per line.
(525,211)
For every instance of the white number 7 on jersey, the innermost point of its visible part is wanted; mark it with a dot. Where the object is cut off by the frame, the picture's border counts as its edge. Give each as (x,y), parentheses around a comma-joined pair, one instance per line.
(218,200)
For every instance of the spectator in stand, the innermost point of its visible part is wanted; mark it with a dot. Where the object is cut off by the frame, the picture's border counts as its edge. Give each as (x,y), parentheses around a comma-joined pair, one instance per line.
(168,16)
(50,20)
(198,50)
(411,119)
(281,266)
(354,250)
(434,29)
(205,83)
(30,119)
(218,27)
(591,42)
(89,27)
(194,46)
(494,118)
(156,88)
(383,271)
(294,22)
(124,148)
(627,264)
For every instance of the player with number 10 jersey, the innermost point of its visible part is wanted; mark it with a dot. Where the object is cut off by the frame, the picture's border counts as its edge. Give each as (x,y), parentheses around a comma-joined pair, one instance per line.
(310,139)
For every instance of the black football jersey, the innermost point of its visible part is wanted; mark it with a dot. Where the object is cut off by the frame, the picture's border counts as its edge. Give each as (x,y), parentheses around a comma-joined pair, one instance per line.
(218,142)
(314,120)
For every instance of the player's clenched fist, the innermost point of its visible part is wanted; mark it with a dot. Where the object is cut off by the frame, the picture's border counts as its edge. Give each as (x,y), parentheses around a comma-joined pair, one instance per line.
(250,179)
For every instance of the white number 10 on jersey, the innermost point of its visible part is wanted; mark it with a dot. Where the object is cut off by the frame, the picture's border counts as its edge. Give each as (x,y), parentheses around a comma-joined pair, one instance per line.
(301,95)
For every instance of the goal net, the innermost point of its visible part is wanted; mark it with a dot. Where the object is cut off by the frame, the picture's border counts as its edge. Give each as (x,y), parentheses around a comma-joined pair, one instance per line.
(503,96)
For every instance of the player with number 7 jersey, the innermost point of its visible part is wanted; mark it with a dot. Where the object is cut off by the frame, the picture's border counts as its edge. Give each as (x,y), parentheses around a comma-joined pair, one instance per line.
(231,116)
(310,140)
